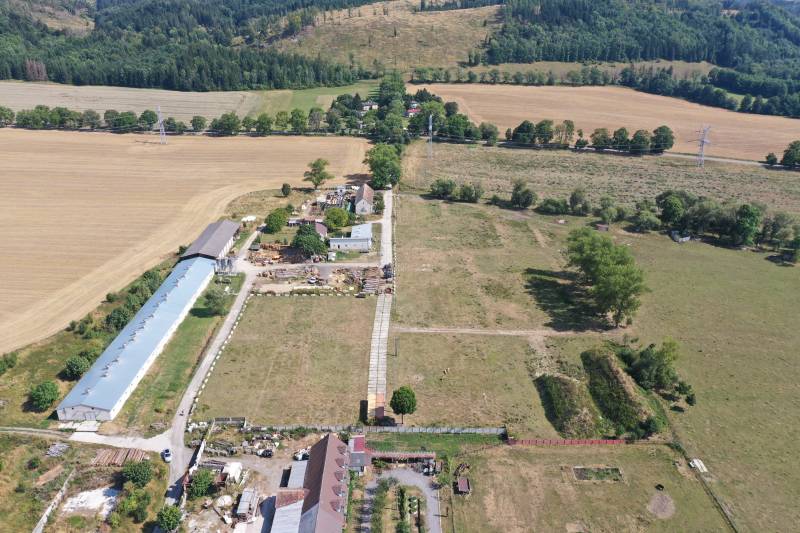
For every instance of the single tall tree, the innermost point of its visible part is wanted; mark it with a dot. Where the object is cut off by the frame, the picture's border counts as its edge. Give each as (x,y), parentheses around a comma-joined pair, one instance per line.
(404,402)
(317,173)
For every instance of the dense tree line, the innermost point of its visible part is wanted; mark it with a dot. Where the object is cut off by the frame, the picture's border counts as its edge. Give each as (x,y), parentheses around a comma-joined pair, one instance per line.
(790,158)
(619,30)
(165,44)
(449,5)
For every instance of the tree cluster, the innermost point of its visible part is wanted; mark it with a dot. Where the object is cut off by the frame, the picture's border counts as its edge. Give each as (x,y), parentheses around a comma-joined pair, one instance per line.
(446,189)
(610,271)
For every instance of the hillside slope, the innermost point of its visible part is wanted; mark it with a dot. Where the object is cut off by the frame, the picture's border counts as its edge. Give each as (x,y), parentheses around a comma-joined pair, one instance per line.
(395,34)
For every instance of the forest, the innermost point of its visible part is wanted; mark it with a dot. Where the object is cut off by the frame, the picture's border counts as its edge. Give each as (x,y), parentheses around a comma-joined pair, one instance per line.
(198,45)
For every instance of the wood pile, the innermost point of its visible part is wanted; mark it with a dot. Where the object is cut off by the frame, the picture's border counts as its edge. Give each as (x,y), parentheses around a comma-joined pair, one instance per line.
(117,456)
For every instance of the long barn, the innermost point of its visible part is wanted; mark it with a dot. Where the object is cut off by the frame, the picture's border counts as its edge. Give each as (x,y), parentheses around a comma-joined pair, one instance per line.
(104,388)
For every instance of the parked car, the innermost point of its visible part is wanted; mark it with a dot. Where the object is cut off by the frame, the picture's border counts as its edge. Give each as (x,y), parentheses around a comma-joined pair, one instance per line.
(167,455)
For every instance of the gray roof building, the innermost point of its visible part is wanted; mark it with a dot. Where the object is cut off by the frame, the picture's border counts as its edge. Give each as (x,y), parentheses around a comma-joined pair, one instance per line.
(215,241)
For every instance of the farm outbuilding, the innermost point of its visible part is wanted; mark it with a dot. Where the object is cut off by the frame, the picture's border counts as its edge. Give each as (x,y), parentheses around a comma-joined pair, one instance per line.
(364,200)
(103,389)
(360,239)
(215,242)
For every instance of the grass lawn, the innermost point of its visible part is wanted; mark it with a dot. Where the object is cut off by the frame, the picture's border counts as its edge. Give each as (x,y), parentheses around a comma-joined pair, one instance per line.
(305,99)
(446,444)
(301,359)
(534,489)
(468,265)
(151,407)
(469,380)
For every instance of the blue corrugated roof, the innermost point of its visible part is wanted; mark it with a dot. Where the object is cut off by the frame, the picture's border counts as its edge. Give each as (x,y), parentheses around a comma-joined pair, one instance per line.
(105,382)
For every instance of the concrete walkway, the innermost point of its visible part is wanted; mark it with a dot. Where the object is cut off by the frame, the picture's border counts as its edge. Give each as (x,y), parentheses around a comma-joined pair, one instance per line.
(376,388)
(386,228)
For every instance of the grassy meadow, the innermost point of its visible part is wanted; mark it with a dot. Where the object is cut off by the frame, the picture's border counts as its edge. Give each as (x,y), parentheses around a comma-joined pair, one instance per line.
(469,380)
(300,359)
(516,490)
(626,178)
(731,311)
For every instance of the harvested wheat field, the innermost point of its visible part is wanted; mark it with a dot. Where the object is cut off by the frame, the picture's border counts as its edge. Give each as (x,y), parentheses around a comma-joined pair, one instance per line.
(82,214)
(395,35)
(182,105)
(734,135)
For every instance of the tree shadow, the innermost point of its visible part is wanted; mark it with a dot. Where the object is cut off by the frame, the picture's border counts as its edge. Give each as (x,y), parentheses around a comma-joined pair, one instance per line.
(202,312)
(568,304)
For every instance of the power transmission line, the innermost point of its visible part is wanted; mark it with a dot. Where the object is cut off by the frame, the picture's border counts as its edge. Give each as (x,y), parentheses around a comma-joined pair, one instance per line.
(703,141)
(162,134)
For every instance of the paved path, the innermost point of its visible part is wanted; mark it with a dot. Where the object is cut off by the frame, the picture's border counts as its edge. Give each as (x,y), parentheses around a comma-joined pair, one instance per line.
(376,388)
(405,476)
(386,228)
(181,455)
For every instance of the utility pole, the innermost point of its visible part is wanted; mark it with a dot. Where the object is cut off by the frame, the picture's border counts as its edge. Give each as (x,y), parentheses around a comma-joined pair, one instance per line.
(703,141)
(162,134)
(430,136)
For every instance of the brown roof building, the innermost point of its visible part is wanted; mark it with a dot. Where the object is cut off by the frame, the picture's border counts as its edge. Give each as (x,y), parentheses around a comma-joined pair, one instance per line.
(322,501)
(363,203)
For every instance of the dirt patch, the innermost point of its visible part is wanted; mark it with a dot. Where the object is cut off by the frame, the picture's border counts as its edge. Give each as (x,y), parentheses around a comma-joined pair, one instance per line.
(101,501)
(50,475)
(661,505)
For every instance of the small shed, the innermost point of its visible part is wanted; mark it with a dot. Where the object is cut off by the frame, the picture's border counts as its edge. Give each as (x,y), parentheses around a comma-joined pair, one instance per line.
(463,486)
(248,504)
(321,229)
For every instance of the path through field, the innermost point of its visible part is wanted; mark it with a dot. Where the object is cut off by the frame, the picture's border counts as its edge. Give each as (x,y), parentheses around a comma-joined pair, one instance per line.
(733,135)
(82,214)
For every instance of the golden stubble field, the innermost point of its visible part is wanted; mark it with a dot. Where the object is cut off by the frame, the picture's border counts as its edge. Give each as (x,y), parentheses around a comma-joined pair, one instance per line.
(182,105)
(733,135)
(82,214)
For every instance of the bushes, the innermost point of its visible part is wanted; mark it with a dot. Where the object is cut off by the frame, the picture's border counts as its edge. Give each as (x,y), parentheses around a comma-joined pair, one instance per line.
(611,392)
(76,366)
(308,241)
(169,518)
(336,218)
(276,220)
(570,412)
(552,206)
(7,362)
(201,484)
(446,189)
(139,473)
(43,395)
